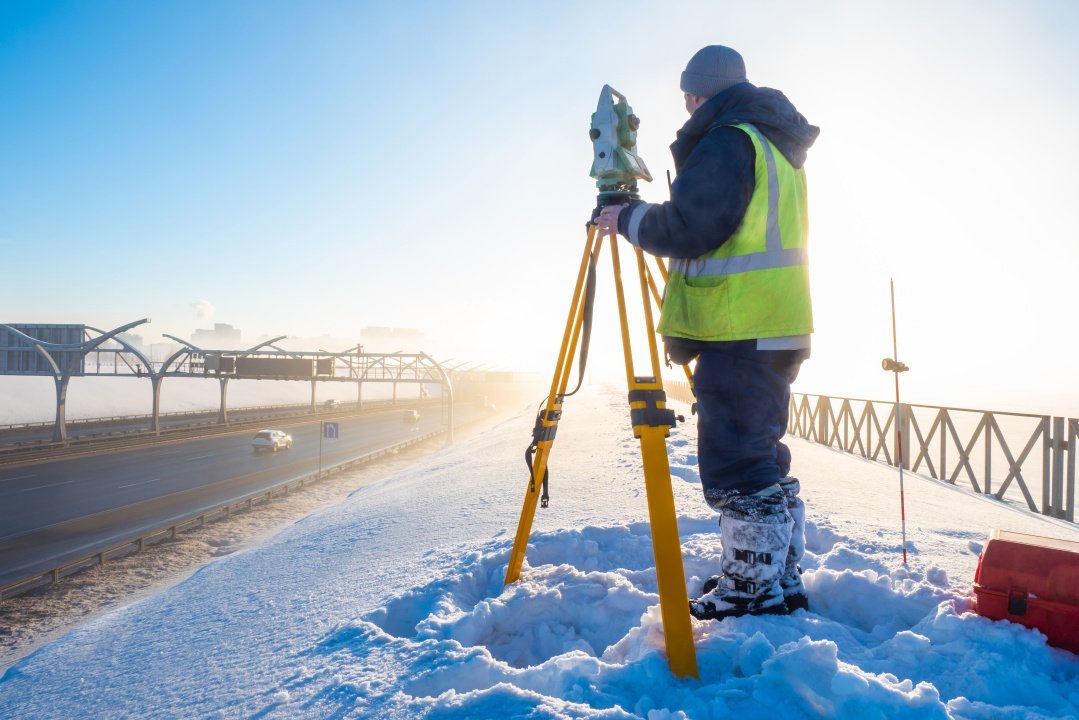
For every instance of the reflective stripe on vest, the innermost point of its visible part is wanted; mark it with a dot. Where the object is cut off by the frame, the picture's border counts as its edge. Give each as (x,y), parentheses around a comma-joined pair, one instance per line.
(774,256)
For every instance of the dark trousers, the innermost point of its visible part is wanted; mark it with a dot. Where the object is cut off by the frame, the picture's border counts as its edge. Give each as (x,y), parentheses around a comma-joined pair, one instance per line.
(743,399)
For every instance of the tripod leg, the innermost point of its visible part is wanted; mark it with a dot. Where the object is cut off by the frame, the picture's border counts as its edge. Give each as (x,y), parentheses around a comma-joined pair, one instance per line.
(652,422)
(659,303)
(547,422)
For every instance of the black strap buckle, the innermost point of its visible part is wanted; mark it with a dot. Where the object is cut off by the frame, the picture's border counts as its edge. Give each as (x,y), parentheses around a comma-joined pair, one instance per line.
(745,586)
(753,558)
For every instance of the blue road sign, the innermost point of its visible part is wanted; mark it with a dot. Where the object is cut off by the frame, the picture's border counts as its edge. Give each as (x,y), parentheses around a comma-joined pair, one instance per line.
(329,430)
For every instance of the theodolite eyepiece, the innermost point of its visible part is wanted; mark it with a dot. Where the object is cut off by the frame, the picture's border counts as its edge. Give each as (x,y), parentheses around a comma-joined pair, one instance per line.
(615,163)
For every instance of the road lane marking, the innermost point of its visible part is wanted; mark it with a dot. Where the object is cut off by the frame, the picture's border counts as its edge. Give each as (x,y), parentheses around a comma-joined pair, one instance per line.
(41,487)
(201,457)
(18,477)
(141,482)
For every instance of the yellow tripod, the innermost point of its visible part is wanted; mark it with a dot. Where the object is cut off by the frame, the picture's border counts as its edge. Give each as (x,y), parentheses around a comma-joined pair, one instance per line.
(652,421)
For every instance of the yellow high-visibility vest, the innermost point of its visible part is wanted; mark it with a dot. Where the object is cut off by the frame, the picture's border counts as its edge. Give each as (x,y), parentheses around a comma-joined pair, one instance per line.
(756,284)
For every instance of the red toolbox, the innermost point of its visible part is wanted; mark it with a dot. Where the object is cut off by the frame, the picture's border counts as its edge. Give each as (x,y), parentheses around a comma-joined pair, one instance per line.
(1031,580)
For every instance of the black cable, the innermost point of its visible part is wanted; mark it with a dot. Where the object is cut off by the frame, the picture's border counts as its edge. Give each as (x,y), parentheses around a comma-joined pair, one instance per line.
(586,322)
(586,335)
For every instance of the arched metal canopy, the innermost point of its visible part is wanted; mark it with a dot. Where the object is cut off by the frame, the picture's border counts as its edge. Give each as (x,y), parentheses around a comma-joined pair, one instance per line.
(351,365)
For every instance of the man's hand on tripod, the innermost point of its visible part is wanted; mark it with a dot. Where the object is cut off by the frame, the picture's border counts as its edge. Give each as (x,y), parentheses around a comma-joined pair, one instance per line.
(607,220)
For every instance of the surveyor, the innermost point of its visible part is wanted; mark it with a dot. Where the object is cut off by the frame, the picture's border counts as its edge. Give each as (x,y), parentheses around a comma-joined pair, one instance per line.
(737,300)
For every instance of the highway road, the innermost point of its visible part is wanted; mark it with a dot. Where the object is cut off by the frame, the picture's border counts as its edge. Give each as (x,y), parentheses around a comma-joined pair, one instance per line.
(77,428)
(56,512)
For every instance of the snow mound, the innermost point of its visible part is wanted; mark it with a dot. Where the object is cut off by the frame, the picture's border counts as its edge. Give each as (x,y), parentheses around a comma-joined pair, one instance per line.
(580,636)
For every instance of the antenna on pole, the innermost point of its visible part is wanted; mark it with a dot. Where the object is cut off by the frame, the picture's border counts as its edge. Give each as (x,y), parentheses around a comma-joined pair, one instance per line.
(895,367)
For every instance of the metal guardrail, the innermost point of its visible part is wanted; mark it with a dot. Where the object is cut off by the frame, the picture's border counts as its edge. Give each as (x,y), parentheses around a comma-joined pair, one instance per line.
(1001,454)
(679,390)
(948,443)
(147,416)
(197,519)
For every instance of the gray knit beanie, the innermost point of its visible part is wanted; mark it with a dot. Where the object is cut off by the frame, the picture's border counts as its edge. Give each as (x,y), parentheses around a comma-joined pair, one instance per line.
(712,70)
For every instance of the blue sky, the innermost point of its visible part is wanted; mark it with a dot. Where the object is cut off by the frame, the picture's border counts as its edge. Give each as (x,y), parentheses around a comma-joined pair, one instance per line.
(315,168)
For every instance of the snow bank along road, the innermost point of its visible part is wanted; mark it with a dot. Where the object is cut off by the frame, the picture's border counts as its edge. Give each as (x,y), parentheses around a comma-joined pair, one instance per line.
(57,512)
(391,605)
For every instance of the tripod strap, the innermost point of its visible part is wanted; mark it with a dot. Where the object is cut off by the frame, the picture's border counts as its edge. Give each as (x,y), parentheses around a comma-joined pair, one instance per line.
(541,432)
(586,320)
(544,498)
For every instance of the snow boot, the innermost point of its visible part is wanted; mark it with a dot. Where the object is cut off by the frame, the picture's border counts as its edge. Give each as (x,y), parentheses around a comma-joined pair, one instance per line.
(755,532)
(794,592)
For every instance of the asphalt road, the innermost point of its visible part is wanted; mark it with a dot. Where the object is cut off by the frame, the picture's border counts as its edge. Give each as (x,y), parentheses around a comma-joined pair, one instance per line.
(76,428)
(56,512)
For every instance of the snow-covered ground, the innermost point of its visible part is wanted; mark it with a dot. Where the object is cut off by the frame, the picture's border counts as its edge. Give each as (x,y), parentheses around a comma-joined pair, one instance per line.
(391,605)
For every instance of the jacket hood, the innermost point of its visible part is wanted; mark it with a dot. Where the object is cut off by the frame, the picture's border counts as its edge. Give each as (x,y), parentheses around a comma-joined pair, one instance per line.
(768,110)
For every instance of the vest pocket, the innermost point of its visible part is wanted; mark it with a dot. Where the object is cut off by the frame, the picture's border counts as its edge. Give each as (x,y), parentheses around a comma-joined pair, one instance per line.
(701,313)
(770,303)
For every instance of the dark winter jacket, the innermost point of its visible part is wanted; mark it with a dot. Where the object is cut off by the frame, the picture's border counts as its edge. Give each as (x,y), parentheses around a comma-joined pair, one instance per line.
(716,171)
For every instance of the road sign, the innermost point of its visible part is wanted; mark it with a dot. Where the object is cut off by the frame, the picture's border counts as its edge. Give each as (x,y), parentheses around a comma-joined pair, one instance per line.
(330,430)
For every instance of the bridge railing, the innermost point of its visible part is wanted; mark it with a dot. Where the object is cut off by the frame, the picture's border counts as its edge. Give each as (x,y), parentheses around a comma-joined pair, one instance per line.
(1022,458)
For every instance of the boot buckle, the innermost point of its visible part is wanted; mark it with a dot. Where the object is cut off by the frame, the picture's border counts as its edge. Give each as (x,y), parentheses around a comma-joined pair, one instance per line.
(745,586)
(752,558)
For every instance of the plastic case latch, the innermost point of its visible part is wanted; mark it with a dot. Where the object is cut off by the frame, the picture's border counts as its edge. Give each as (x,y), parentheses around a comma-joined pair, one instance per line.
(1017,601)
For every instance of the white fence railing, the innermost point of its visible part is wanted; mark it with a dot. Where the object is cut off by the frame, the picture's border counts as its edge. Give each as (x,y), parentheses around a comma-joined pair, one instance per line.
(1002,454)
(1023,459)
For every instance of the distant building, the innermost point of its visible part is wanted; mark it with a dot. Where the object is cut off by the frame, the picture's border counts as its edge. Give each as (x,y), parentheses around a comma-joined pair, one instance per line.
(325,342)
(134,340)
(161,351)
(222,337)
(388,340)
(18,358)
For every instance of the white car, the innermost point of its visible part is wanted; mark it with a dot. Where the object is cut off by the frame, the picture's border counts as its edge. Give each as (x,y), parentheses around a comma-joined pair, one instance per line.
(271,440)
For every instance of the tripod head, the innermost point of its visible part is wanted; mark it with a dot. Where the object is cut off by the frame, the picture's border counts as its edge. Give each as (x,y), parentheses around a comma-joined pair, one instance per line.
(615,164)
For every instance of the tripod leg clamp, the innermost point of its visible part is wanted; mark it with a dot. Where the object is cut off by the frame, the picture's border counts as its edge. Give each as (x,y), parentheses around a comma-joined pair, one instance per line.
(651,415)
(543,432)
